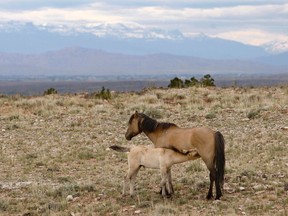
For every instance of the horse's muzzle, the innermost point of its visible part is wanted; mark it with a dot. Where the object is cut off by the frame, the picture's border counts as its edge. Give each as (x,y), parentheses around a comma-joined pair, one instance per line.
(128,137)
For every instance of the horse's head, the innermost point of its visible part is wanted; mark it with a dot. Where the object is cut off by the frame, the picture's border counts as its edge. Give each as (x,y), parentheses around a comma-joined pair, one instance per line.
(133,126)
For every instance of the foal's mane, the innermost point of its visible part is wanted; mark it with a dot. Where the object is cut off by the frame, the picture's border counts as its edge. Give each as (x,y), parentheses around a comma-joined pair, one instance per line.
(150,125)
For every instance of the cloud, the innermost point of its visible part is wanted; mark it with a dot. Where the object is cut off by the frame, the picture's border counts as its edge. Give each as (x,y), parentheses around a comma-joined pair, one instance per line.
(52,15)
(252,36)
(229,19)
(36,4)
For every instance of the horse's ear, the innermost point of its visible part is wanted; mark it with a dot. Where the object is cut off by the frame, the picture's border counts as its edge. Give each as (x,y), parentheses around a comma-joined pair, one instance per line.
(136,114)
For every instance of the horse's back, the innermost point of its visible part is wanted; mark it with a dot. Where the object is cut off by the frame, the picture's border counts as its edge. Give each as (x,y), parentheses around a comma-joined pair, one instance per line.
(188,138)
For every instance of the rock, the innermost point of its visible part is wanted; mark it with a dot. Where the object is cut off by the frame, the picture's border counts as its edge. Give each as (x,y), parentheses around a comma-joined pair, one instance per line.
(137,211)
(69,198)
(258,187)
(284,128)
(245,119)
(241,188)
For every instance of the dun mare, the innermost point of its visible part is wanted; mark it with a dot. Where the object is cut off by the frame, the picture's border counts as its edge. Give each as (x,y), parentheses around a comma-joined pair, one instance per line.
(150,157)
(208,144)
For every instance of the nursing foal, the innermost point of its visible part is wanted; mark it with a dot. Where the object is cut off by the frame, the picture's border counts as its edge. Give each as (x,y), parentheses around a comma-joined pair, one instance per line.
(157,158)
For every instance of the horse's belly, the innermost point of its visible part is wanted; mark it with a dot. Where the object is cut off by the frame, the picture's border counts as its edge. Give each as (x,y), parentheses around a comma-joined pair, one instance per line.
(150,161)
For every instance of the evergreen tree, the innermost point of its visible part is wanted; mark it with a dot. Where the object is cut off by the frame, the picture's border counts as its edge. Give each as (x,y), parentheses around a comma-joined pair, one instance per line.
(194,81)
(207,80)
(187,83)
(176,83)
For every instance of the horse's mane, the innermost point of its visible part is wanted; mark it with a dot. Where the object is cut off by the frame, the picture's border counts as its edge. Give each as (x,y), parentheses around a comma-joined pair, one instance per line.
(150,125)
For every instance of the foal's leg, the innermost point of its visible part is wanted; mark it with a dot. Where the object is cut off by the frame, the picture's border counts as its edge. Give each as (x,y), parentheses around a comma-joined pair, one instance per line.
(170,181)
(164,182)
(168,186)
(131,176)
(132,181)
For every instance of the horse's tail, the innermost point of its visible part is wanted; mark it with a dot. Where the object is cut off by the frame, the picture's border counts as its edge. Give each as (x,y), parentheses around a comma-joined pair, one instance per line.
(220,157)
(119,148)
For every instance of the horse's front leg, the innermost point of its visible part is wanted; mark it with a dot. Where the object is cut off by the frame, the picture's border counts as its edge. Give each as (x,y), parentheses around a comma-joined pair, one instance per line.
(170,185)
(165,185)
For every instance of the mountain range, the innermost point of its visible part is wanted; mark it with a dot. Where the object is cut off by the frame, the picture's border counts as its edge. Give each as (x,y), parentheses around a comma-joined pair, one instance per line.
(103,49)
(88,62)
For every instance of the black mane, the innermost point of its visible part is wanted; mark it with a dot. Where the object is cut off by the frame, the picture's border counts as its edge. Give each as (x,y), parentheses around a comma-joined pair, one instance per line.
(150,125)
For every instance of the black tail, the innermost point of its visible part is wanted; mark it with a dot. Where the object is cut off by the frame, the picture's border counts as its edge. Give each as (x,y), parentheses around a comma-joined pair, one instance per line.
(220,157)
(119,148)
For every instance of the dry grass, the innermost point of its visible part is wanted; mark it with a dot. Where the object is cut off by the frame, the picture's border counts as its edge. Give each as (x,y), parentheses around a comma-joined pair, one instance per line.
(55,146)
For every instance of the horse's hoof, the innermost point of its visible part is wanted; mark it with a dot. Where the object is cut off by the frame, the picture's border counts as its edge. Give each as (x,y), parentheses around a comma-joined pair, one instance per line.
(167,196)
(217,198)
(209,196)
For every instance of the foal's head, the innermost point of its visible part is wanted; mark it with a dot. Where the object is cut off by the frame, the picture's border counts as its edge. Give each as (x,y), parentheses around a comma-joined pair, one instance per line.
(133,126)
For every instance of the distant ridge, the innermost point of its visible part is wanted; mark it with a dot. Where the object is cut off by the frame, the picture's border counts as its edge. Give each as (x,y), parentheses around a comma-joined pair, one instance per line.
(77,61)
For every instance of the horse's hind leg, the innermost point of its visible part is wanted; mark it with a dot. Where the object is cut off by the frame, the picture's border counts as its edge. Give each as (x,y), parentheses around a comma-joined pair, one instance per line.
(218,187)
(131,176)
(212,179)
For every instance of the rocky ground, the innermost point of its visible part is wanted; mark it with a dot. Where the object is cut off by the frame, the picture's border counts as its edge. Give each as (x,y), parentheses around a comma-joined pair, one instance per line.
(55,160)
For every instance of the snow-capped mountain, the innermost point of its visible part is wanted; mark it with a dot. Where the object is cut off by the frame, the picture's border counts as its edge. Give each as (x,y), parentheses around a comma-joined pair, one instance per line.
(128,38)
(276,47)
(119,30)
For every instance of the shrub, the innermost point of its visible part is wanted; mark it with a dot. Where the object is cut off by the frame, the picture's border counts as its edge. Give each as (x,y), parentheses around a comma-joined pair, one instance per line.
(253,114)
(104,94)
(210,116)
(176,83)
(192,82)
(206,81)
(50,91)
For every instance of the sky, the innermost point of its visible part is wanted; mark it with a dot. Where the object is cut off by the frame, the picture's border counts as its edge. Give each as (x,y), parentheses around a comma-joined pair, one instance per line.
(251,22)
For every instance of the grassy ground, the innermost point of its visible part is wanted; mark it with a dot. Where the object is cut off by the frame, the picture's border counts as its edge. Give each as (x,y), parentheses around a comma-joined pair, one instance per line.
(54,156)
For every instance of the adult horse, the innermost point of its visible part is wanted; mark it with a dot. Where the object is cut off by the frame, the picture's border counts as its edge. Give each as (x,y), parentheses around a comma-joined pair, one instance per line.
(209,144)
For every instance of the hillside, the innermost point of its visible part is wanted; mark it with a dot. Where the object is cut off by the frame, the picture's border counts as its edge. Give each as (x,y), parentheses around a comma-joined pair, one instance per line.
(55,160)
(88,62)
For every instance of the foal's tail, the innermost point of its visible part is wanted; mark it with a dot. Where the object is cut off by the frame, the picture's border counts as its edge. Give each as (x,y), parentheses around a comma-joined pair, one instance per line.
(119,148)
(220,156)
